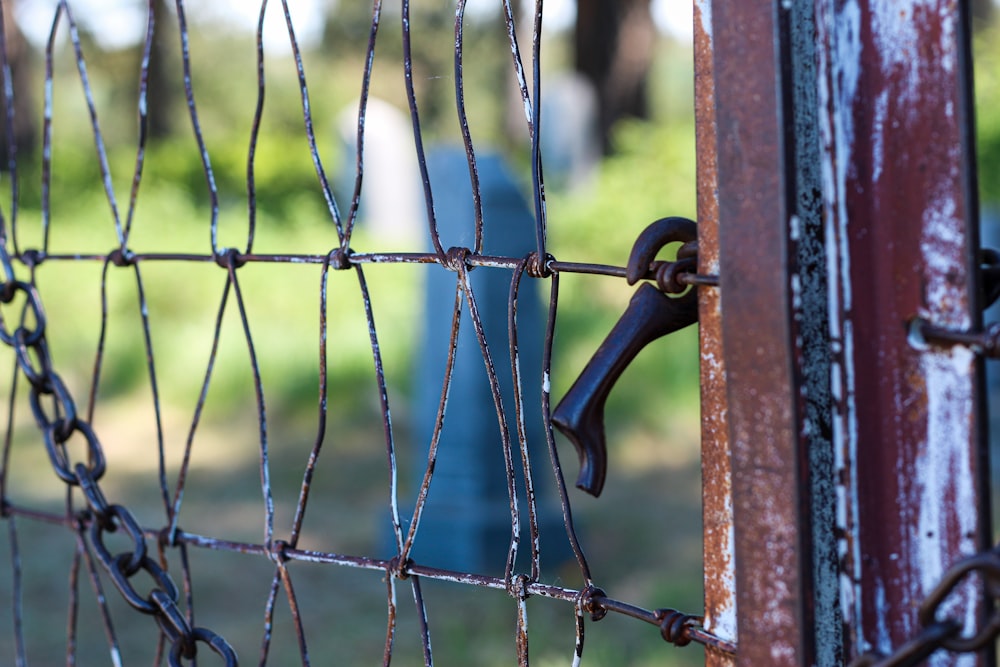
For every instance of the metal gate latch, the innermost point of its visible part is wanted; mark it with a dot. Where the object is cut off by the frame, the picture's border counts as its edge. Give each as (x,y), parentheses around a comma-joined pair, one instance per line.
(651,314)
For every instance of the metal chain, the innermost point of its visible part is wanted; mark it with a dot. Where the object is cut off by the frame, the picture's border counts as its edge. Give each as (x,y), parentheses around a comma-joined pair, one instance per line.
(58,420)
(941,631)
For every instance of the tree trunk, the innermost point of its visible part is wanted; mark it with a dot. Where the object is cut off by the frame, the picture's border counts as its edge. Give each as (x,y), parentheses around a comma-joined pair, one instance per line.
(19,59)
(614,43)
(983,10)
(160,92)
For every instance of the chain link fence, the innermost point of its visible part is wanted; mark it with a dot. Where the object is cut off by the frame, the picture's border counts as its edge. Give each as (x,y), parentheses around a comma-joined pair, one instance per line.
(120,567)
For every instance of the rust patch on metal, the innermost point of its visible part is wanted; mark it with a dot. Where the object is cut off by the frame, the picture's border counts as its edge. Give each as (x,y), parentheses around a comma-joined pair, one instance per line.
(716,469)
(758,350)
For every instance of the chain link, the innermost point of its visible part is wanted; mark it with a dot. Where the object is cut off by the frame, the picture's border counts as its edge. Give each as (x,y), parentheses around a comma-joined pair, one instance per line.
(945,632)
(33,303)
(56,416)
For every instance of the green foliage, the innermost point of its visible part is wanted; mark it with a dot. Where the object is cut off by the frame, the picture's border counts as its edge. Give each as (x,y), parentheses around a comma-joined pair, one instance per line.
(987,82)
(651,176)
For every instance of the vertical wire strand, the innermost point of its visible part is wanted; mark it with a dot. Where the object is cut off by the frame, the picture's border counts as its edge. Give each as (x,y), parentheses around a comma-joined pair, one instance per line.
(102,335)
(47,113)
(206,162)
(322,412)
(293,606)
(17,592)
(522,432)
(8,111)
(567,510)
(425,628)
(418,139)
(258,386)
(147,341)
(8,441)
(269,607)
(522,81)
(114,645)
(185,576)
(143,113)
(537,180)
(532,111)
(383,397)
(432,451)
(580,630)
(102,155)
(390,623)
(477,325)
(331,201)
(366,81)
(463,123)
(199,408)
(521,634)
(258,116)
(73,601)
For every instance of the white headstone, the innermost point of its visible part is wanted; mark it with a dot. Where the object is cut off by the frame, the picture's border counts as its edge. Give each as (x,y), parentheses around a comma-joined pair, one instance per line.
(392,200)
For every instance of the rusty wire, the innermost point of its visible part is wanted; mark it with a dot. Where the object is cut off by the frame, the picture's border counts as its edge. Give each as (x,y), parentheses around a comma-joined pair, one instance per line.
(179,635)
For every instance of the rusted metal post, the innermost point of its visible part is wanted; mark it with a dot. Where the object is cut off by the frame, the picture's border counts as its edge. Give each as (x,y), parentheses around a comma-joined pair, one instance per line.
(774,329)
(901,210)
(716,472)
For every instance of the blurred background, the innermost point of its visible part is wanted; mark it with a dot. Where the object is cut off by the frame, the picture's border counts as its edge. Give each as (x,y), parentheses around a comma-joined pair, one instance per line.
(619,152)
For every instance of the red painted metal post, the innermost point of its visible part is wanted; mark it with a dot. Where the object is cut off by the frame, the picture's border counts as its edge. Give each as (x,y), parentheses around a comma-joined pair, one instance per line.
(716,471)
(899,194)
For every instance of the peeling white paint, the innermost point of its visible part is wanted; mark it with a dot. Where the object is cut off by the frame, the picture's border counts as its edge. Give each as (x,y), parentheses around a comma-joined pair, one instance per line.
(943,468)
(943,471)
(897,37)
(882,614)
(941,242)
(849,445)
(944,475)
(796,285)
(722,620)
(878,134)
(713,365)
(839,71)
(794,228)
(836,382)
(847,72)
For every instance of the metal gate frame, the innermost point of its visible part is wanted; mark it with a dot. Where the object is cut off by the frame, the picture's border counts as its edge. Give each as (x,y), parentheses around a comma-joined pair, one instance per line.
(844,457)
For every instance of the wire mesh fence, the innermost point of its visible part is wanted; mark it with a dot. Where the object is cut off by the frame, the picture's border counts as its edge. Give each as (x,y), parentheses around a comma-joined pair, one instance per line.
(127,577)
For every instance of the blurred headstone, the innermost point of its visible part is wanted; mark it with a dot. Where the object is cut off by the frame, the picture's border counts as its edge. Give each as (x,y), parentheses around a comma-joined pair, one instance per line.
(392,201)
(989,232)
(569,135)
(466,525)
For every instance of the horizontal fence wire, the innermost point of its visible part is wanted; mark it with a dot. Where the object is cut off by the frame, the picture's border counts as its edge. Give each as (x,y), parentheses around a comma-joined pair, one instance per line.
(281,546)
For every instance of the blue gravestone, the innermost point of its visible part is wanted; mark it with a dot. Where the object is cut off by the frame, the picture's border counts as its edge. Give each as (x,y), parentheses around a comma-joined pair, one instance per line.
(989,232)
(466,524)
